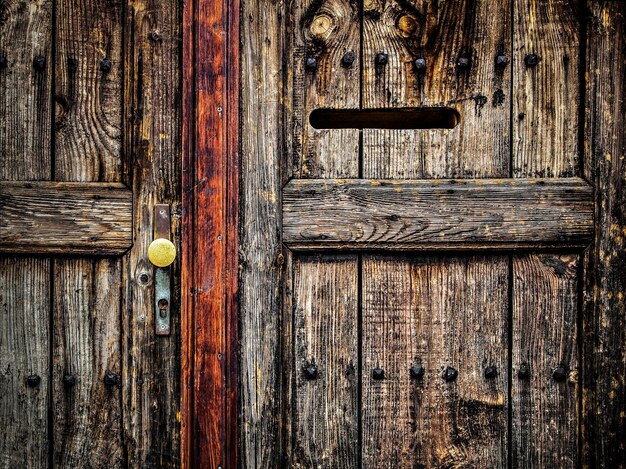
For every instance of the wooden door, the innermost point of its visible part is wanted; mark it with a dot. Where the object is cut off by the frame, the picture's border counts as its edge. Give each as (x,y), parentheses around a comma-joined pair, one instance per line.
(431,220)
(90,141)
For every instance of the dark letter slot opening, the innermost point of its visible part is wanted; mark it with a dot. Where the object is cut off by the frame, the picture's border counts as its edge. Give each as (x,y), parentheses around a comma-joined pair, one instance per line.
(413,118)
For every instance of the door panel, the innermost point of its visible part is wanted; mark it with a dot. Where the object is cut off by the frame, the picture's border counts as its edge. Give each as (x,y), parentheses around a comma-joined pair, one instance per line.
(79,193)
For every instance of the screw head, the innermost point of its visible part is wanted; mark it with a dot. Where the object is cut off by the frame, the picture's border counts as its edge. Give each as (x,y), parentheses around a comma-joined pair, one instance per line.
(378,373)
(420,64)
(4,63)
(310,64)
(417,372)
(531,60)
(381,58)
(450,374)
(348,59)
(559,374)
(491,372)
(310,371)
(111,379)
(463,63)
(105,65)
(523,372)
(39,62)
(69,380)
(72,64)
(33,381)
(502,60)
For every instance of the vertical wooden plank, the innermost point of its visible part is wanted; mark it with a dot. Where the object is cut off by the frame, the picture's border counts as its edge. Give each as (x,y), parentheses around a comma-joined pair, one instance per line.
(435,313)
(152,168)
(86,347)
(86,313)
(262,31)
(25,90)
(88,100)
(546,94)
(326,406)
(604,312)
(24,347)
(439,33)
(323,77)
(25,128)
(545,399)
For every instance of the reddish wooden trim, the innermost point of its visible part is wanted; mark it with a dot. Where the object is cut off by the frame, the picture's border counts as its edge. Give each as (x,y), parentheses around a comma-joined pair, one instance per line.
(210,211)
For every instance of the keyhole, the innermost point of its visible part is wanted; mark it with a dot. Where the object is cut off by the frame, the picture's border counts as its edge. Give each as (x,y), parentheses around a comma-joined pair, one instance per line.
(163,307)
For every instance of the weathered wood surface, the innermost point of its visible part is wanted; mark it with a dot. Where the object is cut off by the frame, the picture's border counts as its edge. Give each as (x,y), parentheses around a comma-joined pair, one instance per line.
(25,129)
(152,169)
(604,309)
(388,214)
(263,32)
(545,401)
(435,313)
(326,408)
(65,218)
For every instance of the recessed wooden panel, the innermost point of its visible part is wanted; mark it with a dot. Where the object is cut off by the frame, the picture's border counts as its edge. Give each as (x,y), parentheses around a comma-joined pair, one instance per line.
(66,218)
(326,337)
(545,400)
(435,312)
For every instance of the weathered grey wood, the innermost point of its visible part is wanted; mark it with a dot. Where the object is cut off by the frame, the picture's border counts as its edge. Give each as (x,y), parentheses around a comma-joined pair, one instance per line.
(24,345)
(545,313)
(604,309)
(262,29)
(152,168)
(25,127)
(547,95)
(440,33)
(436,214)
(87,417)
(64,217)
(435,312)
(326,409)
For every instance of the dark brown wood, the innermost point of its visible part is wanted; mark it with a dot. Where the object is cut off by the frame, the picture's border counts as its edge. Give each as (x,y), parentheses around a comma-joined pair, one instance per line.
(210,212)
(152,168)
(604,309)
(326,407)
(435,312)
(65,217)
(395,214)
(545,314)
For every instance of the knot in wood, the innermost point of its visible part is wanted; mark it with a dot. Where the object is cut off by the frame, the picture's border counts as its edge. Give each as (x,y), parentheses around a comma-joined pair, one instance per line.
(407,25)
(321,26)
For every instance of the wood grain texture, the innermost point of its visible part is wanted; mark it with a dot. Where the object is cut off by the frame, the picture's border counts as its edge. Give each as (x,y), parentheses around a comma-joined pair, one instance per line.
(262,32)
(604,308)
(435,312)
(547,95)
(24,346)
(440,33)
(545,314)
(25,91)
(87,417)
(25,129)
(393,214)
(88,102)
(326,327)
(324,32)
(152,169)
(65,218)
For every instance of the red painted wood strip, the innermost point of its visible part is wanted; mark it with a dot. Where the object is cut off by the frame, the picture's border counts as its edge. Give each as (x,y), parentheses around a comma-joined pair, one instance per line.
(210,187)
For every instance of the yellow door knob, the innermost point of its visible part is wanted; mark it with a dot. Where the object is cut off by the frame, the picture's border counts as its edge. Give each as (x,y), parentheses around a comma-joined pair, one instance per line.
(161,252)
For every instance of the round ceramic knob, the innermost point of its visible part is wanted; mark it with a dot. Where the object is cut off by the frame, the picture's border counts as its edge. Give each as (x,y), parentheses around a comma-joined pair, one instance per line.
(162,252)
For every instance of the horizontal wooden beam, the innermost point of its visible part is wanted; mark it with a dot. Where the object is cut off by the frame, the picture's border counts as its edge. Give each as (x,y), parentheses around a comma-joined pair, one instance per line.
(65,218)
(437,214)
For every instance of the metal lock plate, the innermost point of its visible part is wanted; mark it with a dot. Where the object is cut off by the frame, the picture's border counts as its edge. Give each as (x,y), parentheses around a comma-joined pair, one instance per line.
(162,257)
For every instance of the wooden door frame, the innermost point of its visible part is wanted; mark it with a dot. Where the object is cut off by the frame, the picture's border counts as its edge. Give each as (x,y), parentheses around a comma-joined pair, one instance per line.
(210,132)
